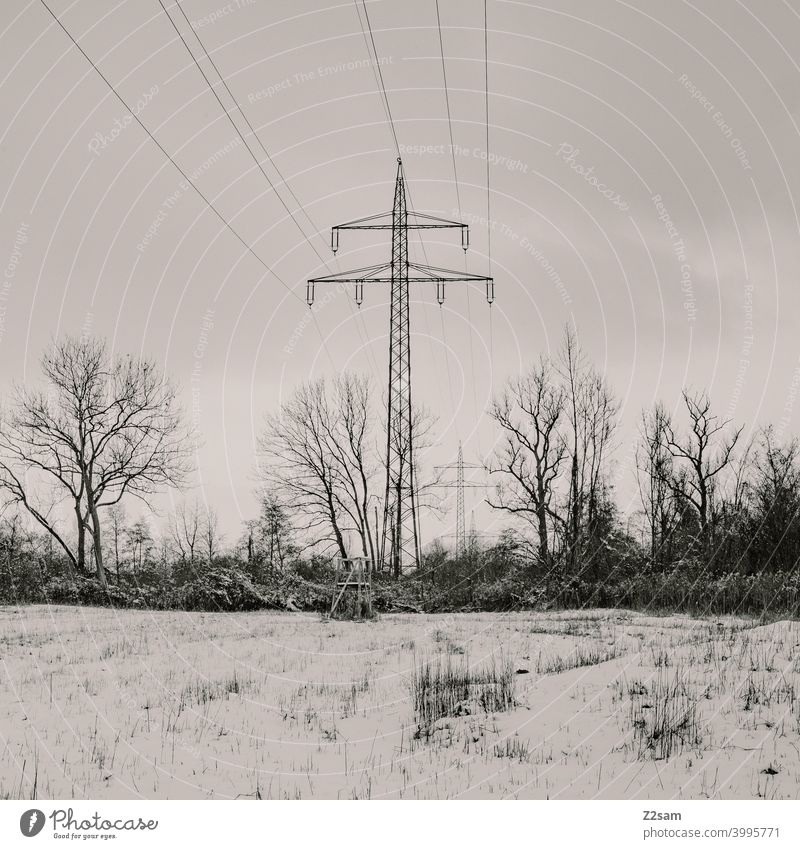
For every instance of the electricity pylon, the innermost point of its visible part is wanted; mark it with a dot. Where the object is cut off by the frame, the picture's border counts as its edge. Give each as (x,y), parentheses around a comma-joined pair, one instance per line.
(401,514)
(461,533)
(460,486)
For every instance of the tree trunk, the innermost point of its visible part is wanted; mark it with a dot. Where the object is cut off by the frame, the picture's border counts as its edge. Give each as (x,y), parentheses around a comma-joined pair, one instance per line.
(98,542)
(541,517)
(705,540)
(544,549)
(280,553)
(575,511)
(80,559)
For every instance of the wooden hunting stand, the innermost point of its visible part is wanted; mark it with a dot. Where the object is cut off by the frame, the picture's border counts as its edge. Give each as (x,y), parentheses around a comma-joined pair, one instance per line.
(352,589)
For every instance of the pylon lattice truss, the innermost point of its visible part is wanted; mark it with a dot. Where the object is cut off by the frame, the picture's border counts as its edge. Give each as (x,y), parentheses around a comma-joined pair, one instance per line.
(400,542)
(460,485)
(461,537)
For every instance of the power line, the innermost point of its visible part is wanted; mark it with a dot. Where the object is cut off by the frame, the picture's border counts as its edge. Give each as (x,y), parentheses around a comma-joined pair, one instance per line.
(241,111)
(208,203)
(447,361)
(491,349)
(233,123)
(379,74)
(447,103)
(489,286)
(217,213)
(375,72)
(364,335)
(369,40)
(458,201)
(486,99)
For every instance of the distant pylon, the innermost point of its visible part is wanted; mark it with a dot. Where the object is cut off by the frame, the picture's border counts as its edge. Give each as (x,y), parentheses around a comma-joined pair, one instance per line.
(400,545)
(461,535)
(473,533)
(460,485)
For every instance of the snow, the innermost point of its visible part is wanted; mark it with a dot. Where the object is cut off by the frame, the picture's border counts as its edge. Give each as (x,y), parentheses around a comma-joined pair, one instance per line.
(97,703)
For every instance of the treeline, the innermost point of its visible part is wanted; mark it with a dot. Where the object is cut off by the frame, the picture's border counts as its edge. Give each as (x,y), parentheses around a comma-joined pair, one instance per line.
(715,530)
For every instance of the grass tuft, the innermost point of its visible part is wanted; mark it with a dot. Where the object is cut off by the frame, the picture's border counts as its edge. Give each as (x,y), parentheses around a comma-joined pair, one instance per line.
(665,719)
(442,688)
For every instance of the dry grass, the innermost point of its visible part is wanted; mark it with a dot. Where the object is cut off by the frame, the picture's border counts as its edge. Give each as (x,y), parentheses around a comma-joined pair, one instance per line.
(583,655)
(665,716)
(104,704)
(442,688)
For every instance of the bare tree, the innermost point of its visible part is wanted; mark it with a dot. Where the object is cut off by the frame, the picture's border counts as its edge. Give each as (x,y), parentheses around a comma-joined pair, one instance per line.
(212,538)
(591,413)
(117,522)
(185,531)
(37,473)
(573,369)
(140,544)
(600,411)
(11,534)
(317,460)
(274,533)
(702,454)
(103,428)
(349,438)
(163,553)
(773,498)
(529,461)
(654,474)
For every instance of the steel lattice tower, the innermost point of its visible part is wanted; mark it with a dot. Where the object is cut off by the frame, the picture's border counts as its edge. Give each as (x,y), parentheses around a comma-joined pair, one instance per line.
(400,505)
(461,533)
(400,545)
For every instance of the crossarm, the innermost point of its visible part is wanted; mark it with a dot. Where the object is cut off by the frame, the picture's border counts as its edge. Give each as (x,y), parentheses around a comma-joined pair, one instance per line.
(417,273)
(413,221)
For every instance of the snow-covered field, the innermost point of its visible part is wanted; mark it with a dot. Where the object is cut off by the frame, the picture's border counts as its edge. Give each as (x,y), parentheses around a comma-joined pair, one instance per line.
(98,703)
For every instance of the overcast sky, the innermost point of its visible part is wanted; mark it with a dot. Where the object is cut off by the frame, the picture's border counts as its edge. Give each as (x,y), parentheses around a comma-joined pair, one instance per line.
(644,181)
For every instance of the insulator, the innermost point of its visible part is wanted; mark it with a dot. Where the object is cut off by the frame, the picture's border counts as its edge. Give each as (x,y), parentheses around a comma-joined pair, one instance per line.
(440,293)
(335,239)
(465,238)
(359,293)
(309,293)
(490,291)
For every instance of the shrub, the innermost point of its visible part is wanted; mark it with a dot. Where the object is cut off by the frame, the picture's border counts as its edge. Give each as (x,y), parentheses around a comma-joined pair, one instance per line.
(220,589)
(290,591)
